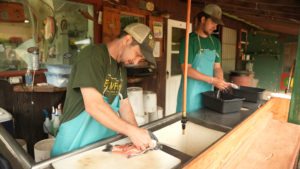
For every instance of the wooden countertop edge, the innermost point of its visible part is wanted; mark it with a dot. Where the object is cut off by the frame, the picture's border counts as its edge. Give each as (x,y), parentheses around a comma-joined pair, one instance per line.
(48,88)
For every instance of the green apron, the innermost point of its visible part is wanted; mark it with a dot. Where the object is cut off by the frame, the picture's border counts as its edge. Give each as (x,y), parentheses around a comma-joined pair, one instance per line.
(203,63)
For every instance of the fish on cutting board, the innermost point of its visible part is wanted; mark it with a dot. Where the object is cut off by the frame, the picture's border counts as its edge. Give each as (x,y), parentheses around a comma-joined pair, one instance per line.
(129,149)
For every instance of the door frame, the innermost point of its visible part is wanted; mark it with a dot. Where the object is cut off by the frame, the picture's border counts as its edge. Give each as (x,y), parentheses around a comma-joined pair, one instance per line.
(178,24)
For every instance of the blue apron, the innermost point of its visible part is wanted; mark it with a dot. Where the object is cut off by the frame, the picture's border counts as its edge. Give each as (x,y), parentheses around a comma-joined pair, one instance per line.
(84,129)
(203,63)
(81,131)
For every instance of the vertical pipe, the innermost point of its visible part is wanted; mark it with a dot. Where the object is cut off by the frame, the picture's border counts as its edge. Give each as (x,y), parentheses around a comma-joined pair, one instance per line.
(184,119)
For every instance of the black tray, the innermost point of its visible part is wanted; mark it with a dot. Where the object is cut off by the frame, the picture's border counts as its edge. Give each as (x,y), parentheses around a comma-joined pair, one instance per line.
(251,94)
(227,103)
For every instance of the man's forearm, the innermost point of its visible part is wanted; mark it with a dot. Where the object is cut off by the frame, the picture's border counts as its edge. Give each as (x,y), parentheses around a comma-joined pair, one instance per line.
(126,112)
(218,72)
(194,74)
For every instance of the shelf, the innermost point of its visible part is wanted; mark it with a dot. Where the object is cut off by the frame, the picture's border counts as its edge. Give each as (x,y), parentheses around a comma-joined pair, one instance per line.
(135,79)
(48,88)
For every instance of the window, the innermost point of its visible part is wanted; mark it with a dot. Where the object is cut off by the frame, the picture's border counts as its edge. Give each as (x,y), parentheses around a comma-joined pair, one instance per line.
(73,33)
(228,50)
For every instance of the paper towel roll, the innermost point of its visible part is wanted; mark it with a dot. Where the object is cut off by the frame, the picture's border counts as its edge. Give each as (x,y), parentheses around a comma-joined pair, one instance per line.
(150,101)
(135,97)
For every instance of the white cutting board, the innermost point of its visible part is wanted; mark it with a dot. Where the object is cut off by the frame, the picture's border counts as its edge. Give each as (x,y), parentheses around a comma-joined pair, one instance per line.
(96,159)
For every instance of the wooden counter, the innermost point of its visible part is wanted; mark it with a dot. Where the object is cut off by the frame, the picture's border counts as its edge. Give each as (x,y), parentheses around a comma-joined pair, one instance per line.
(48,88)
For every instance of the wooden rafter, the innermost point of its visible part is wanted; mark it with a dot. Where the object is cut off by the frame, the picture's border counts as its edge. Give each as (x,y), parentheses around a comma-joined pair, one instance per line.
(293,3)
(275,8)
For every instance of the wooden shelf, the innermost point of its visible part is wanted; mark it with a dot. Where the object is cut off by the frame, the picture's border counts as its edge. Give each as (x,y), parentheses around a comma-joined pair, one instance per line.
(48,88)
(135,79)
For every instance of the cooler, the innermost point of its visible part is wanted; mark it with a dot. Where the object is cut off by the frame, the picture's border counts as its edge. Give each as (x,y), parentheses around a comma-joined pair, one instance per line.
(7,121)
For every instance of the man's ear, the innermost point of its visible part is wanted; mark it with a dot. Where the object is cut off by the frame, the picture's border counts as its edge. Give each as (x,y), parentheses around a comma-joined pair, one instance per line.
(203,19)
(127,40)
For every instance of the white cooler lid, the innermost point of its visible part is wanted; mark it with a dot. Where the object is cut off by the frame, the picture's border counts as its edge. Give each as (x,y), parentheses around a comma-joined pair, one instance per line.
(4,115)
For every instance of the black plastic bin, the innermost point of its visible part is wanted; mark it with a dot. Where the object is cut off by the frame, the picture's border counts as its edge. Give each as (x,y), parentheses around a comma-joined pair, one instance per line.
(226,103)
(251,94)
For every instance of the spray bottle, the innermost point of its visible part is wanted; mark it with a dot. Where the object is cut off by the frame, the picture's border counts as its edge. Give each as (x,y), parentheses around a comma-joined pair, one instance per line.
(52,119)
(47,124)
(56,123)
(59,111)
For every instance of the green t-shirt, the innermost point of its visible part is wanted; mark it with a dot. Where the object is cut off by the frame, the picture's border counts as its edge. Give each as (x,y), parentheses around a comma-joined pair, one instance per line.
(92,68)
(206,44)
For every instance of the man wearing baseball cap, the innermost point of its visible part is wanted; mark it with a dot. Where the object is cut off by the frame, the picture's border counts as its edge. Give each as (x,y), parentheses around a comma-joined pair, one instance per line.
(96,105)
(204,57)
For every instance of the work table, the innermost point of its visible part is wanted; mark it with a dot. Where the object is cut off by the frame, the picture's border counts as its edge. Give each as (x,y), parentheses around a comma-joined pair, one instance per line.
(204,117)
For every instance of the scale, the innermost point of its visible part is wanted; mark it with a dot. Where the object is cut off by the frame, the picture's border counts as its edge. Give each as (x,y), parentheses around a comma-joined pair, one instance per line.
(139,71)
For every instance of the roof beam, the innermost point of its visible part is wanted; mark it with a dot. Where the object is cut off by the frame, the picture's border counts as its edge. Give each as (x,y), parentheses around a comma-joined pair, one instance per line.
(273,26)
(292,3)
(292,10)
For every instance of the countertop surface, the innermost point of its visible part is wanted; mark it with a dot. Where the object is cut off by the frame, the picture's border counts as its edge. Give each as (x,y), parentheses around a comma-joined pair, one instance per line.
(204,117)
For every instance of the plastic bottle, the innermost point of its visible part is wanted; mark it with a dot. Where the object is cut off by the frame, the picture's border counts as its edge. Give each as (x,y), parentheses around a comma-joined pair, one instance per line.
(47,124)
(52,119)
(56,123)
(35,60)
(28,77)
(59,111)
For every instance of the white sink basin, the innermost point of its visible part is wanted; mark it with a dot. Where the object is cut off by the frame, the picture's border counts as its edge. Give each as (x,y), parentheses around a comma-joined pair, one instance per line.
(196,138)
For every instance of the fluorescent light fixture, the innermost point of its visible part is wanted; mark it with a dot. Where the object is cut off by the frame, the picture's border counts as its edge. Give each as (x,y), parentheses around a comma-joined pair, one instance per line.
(83,42)
(26,21)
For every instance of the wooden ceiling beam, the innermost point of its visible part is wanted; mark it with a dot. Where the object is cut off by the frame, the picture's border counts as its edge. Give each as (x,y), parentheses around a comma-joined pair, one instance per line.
(292,10)
(292,3)
(283,28)
(262,18)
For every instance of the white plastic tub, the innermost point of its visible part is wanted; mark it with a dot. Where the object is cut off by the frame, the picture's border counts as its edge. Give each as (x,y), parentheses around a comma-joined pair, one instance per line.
(59,69)
(58,80)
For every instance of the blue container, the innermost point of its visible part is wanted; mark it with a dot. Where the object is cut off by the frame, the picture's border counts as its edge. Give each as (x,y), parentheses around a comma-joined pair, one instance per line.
(7,121)
(58,80)
(59,69)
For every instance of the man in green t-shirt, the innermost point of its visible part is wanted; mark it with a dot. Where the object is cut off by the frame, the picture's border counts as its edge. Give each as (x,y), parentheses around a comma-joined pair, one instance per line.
(204,57)
(96,105)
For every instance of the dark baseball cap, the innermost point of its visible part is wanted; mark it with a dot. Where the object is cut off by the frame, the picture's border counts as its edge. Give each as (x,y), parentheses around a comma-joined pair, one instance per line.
(144,36)
(215,13)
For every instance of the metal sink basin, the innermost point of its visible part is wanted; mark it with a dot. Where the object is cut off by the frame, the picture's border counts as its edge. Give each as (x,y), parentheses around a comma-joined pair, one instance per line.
(196,139)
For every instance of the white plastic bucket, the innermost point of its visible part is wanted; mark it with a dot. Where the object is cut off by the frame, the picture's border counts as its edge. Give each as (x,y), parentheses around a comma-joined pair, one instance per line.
(22,143)
(158,114)
(135,97)
(150,101)
(42,149)
(140,120)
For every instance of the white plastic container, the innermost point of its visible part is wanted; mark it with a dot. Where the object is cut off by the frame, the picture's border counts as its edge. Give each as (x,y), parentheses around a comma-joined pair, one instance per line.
(150,101)
(42,149)
(59,69)
(22,143)
(58,80)
(156,115)
(135,96)
(7,121)
(140,120)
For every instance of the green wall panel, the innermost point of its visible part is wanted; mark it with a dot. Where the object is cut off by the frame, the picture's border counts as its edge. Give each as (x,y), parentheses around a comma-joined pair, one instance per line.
(294,114)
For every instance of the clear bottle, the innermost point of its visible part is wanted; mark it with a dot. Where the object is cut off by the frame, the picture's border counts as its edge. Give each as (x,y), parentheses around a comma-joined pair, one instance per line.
(28,78)
(35,60)
(56,123)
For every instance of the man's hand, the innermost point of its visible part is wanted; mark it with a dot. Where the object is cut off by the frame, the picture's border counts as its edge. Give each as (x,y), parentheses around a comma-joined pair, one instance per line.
(219,83)
(141,139)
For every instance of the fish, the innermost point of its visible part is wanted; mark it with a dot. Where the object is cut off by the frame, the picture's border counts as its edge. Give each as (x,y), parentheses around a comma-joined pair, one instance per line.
(86,15)
(129,149)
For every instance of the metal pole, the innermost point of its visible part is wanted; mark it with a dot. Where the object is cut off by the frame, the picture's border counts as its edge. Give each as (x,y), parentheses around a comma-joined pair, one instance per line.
(184,119)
